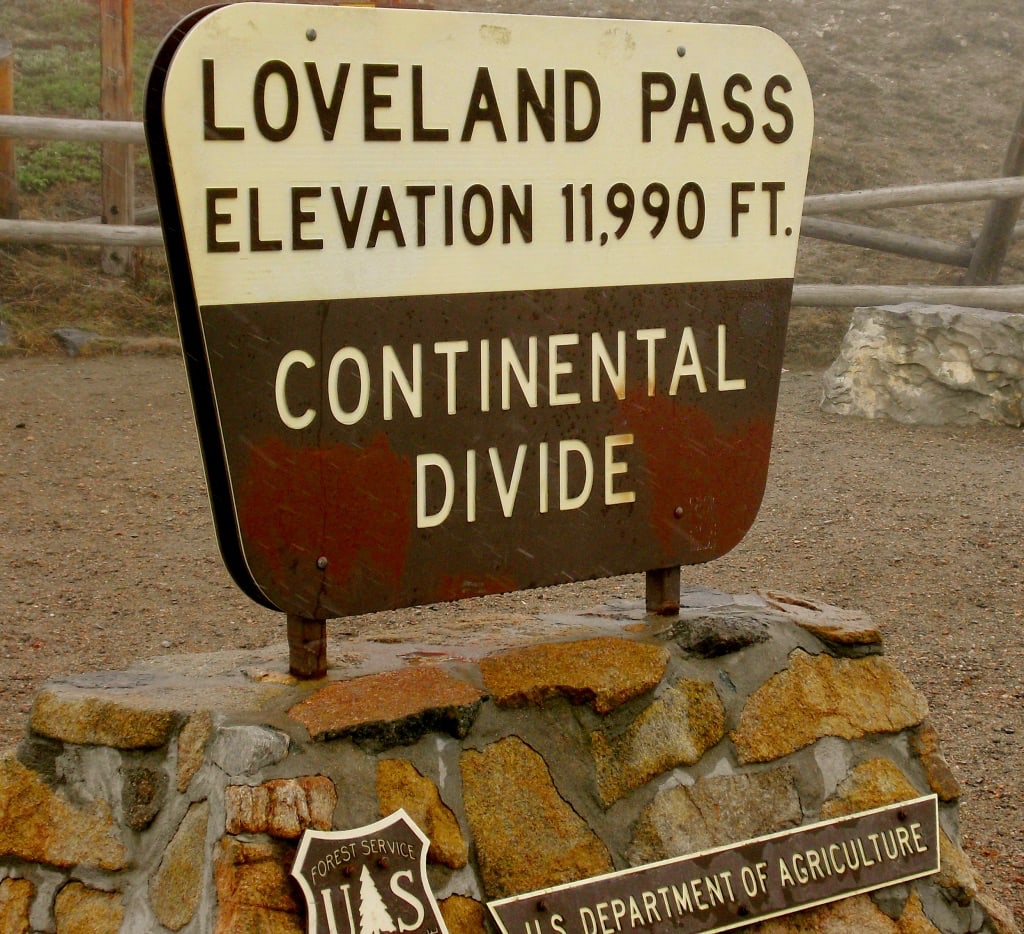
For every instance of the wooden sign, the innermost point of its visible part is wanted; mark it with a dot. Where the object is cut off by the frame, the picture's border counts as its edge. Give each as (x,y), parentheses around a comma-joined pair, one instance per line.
(474,303)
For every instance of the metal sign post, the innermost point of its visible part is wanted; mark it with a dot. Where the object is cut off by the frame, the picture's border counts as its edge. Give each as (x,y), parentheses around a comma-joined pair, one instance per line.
(475,303)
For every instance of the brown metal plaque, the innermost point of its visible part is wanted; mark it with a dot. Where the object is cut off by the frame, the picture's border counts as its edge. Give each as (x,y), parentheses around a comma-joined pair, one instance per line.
(473,303)
(729,887)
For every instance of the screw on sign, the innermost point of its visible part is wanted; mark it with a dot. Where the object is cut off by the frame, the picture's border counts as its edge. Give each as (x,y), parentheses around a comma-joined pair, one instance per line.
(369,880)
(456,289)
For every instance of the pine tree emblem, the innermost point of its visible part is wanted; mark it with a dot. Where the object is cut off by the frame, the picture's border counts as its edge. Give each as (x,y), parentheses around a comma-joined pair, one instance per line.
(374,917)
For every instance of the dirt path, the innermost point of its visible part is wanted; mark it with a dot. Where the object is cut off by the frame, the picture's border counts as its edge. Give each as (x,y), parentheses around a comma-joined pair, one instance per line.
(107,555)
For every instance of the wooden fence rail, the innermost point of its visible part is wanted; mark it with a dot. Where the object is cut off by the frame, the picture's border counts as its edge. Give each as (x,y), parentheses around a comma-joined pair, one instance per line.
(813,225)
(78,131)
(79,233)
(996,297)
(887,241)
(910,195)
(128,131)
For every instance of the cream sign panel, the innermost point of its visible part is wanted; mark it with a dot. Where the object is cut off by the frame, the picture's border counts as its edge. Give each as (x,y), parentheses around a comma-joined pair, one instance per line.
(328,153)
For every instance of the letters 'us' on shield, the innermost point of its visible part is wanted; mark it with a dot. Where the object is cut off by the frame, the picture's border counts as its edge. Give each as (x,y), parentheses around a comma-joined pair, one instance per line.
(370,880)
(473,303)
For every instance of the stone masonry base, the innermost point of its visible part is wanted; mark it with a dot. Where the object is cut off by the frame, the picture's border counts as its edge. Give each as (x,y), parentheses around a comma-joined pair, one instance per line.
(170,797)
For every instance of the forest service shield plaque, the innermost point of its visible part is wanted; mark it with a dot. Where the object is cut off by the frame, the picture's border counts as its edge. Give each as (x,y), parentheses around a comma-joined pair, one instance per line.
(368,880)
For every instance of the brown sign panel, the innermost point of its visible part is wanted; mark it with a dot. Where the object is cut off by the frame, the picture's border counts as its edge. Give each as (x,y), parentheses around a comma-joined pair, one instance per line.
(368,880)
(733,886)
(435,504)
(474,303)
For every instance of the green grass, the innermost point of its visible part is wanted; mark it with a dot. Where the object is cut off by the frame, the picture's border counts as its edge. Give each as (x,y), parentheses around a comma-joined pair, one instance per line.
(60,81)
(42,166)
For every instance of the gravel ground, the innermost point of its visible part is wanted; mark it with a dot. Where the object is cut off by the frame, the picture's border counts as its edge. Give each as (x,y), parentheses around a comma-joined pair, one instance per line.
(107,555)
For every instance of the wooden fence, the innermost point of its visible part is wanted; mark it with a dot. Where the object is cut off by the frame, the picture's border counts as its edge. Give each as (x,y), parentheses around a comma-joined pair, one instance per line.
(117,176)
(983,259)
(118,228)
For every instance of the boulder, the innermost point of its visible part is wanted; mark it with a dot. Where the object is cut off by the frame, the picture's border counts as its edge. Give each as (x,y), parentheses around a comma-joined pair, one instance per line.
(930,365)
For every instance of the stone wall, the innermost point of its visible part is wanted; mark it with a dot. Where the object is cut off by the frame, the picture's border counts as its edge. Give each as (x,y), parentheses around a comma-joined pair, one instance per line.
(930,365)
(170,797)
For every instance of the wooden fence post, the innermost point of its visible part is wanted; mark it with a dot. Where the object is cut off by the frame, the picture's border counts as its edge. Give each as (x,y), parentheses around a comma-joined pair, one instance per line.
(997,234)
(8,165)
(117,173)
